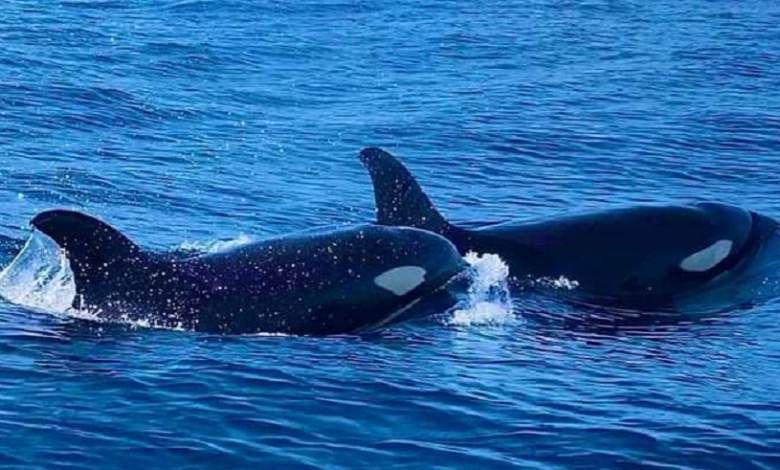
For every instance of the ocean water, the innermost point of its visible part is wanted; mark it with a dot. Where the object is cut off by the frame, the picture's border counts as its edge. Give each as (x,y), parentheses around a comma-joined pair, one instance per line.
(195,123)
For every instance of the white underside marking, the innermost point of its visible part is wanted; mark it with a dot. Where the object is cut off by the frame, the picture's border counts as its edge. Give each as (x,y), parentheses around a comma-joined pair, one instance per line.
(401,280)
(707,258)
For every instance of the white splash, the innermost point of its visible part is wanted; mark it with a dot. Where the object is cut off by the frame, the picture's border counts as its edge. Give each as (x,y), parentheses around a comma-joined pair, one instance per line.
(489,301)
(560,282)
(39,277)
(218,246)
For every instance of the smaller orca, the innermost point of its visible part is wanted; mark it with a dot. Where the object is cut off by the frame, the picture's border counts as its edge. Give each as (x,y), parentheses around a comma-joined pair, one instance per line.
(635,256)
(316,283)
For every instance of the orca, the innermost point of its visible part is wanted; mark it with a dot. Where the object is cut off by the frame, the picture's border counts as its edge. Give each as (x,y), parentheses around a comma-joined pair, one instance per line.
(334,281)
(640,256)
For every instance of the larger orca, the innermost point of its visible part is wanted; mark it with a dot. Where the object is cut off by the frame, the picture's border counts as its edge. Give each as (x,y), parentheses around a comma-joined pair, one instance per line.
(635,256)
(314,283)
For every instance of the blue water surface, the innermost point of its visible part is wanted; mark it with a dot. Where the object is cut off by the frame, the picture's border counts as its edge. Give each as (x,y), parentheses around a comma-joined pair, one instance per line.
(187,122)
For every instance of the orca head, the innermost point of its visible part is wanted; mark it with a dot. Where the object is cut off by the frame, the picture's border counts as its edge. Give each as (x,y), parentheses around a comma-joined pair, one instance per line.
(402,273)
(411,262)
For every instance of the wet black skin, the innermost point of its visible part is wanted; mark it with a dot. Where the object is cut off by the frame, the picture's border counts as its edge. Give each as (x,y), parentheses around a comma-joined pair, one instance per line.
(312,283)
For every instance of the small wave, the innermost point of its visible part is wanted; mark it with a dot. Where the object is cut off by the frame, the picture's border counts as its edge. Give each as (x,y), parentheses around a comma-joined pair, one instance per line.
(488,300)
(262,334)
(124,319)
(217,246)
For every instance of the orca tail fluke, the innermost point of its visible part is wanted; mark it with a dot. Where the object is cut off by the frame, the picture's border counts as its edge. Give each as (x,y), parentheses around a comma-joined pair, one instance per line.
(399,199)
(96,251)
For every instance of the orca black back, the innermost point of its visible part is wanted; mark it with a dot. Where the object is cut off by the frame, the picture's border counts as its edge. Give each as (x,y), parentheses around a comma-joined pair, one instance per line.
(326,282)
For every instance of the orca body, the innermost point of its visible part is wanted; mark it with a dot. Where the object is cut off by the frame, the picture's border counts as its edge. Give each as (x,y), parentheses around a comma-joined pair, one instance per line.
(316,283)
(638,256)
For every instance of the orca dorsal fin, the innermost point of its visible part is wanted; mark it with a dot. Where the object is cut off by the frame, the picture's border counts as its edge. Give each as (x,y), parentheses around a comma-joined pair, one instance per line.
(399,199)
(95,250)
